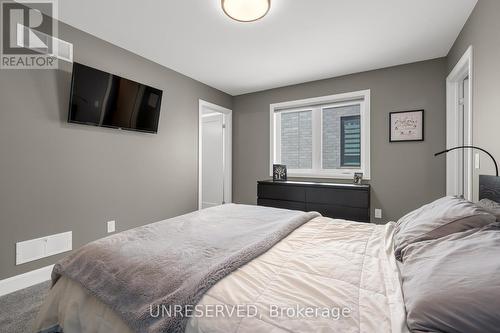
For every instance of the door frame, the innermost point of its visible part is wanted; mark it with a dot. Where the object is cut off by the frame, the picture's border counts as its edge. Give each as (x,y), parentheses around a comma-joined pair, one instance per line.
(463,69)
(227,150)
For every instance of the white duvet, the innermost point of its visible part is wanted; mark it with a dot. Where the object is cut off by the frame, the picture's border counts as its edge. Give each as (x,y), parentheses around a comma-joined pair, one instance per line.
(327,276)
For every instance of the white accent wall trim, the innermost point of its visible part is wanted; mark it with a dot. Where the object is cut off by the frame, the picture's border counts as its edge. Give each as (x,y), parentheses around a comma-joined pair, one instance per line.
(362,95)
(25,280)
(228,142)
(463,69)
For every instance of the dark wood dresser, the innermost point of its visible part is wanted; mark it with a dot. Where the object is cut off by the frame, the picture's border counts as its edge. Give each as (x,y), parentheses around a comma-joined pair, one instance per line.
(341,201)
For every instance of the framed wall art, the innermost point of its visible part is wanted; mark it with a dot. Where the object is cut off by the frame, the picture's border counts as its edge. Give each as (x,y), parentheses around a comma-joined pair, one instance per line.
(406,126)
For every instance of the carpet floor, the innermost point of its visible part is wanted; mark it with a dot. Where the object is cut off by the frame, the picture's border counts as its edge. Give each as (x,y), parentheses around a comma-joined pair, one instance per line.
(19,309)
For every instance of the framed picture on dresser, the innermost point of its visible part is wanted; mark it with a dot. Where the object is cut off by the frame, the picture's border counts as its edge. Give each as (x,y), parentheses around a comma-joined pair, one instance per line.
(279,172)
(406,126)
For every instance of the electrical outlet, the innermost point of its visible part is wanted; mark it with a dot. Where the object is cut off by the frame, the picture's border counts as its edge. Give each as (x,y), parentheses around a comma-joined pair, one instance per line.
(111,226)
(378,213)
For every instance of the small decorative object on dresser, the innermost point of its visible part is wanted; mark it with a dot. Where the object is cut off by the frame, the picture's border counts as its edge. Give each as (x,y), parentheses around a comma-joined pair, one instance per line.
(358,178)
(405,126)
(279,172)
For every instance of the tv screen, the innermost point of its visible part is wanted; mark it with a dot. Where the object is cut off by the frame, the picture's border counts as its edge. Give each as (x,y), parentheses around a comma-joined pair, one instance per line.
(103,99)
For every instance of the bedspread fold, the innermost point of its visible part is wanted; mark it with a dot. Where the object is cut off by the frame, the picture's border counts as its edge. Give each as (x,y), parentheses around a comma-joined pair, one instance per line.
(174,262)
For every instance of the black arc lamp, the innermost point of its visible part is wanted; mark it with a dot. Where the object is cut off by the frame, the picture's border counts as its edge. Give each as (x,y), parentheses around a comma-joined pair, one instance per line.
(470,147)
(489,186)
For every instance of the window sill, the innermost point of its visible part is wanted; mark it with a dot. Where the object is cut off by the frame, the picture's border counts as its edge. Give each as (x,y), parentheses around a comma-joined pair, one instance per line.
(324,176)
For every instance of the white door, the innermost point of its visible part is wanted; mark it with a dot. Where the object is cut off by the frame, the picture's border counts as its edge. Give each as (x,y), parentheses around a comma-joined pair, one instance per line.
(459,117)
(213,160)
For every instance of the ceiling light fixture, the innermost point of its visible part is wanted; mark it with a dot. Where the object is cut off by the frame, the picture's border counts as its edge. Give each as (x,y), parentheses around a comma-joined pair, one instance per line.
(246,10)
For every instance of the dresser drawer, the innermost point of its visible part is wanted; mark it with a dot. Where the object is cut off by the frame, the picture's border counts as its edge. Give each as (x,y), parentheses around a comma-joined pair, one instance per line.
(293,205)
(281,192)
(338,197)
(341,201)
(340,212)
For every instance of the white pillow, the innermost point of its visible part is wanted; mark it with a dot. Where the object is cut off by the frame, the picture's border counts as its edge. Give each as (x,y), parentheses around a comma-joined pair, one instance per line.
(440,218)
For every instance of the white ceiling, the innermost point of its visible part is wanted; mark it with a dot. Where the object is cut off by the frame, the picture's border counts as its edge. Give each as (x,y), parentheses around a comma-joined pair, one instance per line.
(298,41)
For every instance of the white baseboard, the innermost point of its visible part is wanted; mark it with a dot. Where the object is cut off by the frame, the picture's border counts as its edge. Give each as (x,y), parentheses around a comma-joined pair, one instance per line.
(209,204)
(25,280)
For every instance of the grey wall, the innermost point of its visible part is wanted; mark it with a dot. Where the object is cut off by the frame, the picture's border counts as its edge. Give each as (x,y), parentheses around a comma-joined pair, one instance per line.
(482,32)
(56,177)
(404,175)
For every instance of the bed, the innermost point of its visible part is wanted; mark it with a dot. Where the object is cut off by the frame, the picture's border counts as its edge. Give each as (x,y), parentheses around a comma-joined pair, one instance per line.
(323,264)
(320,275)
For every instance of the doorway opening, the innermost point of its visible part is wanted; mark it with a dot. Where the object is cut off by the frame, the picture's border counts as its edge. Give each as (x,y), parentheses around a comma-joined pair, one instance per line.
(459,165)
(215,155)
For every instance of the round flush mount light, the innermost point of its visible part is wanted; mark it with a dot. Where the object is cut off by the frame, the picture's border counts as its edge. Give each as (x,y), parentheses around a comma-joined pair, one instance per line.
(246,10)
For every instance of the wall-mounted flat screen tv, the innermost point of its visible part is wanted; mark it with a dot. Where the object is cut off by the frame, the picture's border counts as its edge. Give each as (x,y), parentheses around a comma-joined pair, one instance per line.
(107,100)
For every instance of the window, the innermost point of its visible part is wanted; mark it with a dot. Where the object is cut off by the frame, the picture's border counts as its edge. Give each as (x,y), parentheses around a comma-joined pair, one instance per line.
(351,141)
(335,137)
(323,137)
(296,139)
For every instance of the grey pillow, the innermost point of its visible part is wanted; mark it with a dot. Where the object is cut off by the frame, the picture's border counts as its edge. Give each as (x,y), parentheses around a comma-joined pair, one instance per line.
(440,218)
(490,206)
(452,284)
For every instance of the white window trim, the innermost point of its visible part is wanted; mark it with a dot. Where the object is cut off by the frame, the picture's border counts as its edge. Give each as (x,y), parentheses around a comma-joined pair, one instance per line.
(311,103)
